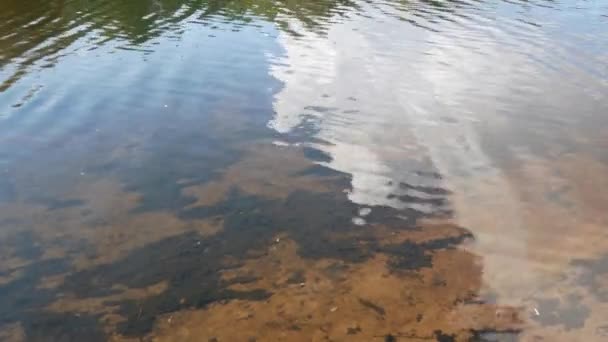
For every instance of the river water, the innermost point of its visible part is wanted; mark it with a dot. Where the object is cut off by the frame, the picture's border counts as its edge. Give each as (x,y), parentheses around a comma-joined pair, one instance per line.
(324,170)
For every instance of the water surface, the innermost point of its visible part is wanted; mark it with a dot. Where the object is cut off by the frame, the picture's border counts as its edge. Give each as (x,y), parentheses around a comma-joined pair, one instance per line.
(303,170)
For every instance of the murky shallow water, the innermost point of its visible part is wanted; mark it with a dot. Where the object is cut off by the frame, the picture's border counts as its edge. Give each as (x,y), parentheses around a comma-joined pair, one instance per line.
(303,171)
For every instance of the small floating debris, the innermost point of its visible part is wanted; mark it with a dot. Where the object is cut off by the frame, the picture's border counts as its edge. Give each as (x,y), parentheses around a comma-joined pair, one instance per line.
(536,312)
(333,309)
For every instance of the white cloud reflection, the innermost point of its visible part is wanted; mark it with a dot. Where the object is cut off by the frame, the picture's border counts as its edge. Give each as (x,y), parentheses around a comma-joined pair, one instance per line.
(392,99)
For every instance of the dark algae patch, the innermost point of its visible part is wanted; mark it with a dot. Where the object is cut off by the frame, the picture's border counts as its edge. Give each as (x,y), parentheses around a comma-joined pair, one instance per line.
(55,203)
(171,157)
(319,170)
(63,327)
(390,338)
(410,256)
(407,256)
(440,336)
(22,297)
(376,308)
(23,301)
(24,245)
(317,155)
(488,335)
(297,277)
(192,265)
(189,263)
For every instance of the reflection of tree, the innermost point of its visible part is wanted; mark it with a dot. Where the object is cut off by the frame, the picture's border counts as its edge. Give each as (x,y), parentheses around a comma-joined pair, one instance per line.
(38,30)
(42,30)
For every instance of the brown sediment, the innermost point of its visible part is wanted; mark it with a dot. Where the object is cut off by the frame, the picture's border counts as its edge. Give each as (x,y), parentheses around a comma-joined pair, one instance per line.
(366,302)
(9,275)
(105,307)
(12,332)
(266,170)
(105,225)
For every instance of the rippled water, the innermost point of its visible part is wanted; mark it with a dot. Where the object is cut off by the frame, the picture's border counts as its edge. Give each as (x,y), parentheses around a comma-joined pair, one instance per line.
(303,170)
